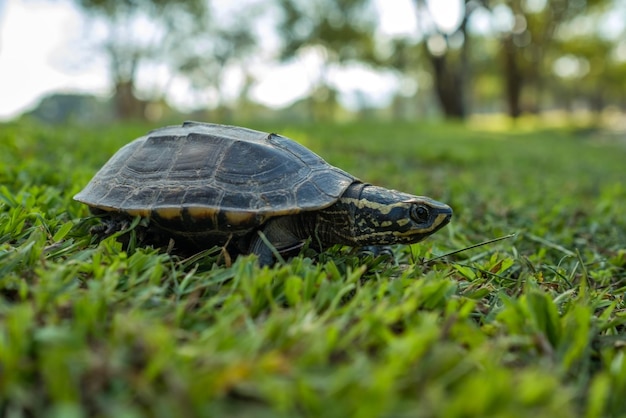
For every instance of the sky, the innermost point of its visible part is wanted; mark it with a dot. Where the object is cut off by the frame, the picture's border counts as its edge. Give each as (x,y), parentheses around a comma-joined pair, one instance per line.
(40,53)
(35,37)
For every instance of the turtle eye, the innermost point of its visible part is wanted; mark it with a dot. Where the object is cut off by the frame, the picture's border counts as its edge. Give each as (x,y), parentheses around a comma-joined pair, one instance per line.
(420,213)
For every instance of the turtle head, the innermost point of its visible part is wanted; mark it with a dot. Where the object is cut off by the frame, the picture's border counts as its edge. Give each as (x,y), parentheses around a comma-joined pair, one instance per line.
(382,216)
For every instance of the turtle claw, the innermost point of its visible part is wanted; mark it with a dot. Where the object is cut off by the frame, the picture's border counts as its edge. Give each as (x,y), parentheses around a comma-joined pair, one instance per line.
(377,251)
(109,226)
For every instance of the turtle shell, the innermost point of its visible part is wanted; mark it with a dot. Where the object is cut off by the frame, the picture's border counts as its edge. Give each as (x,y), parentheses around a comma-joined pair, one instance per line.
(209,177)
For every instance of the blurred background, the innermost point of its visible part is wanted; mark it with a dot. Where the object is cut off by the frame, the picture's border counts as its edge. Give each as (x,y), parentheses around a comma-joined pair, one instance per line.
(100,60)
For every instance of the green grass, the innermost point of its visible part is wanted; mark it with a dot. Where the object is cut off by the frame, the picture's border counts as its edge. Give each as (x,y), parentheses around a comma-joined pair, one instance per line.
(531,326)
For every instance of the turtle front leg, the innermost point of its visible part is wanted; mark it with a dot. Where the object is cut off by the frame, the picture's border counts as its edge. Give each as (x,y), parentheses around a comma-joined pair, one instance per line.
(377,250)
(109,225)
(280,238)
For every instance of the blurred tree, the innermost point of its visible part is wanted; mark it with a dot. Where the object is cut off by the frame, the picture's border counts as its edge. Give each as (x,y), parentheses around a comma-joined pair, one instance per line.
(59,108)
(337,31)
(588,71)
(143,32)
(580,71)
(526,39)
(206,64)
(447,50)
(174,39)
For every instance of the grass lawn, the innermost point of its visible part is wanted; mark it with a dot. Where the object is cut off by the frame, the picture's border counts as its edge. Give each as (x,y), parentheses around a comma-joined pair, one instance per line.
(531,326)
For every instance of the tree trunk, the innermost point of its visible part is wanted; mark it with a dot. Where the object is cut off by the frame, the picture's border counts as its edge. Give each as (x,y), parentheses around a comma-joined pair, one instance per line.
(127,105)
(513,78)
(449,86)
(451,70)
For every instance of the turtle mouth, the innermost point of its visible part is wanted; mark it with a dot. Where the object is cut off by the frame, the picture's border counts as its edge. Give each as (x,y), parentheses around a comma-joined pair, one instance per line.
(442,219)
(418,234)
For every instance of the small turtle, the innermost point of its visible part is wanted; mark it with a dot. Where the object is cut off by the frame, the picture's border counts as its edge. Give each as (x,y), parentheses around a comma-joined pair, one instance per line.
(211,185)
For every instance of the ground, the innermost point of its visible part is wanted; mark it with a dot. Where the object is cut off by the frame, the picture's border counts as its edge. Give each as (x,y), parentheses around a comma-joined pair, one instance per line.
(529,326)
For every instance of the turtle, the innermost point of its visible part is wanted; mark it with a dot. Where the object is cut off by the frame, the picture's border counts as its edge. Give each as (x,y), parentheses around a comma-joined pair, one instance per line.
(252,192)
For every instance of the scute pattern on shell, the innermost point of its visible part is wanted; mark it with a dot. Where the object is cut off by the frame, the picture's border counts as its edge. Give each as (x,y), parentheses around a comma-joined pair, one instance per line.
(210,171)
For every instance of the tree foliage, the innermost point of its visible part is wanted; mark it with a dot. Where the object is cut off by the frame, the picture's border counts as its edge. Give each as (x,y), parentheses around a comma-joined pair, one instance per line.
(344,28)
(141,33)
(341,30)
(527,44)
(180,38)
(516,62)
